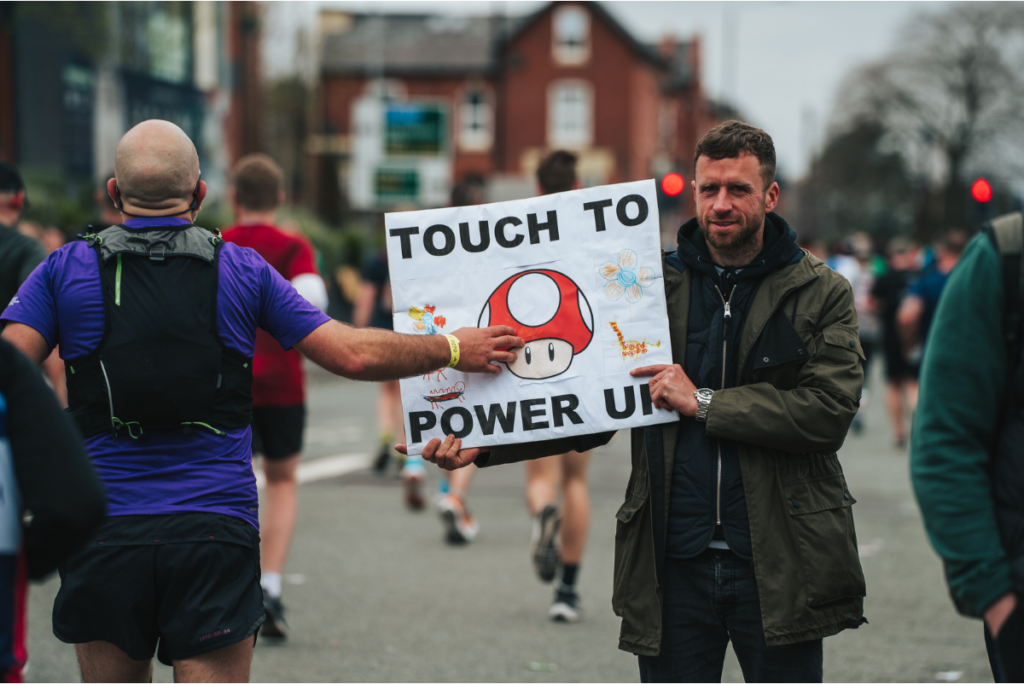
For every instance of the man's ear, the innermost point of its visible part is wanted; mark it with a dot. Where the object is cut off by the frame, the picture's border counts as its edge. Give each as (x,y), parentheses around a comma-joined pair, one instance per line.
(200,196)
(112,190)
(771,198)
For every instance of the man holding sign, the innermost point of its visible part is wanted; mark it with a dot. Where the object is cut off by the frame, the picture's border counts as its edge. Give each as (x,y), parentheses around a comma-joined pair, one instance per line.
(737,522)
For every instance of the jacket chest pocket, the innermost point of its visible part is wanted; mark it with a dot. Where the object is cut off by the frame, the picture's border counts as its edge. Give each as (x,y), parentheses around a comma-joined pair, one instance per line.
(778,355)
(822,521)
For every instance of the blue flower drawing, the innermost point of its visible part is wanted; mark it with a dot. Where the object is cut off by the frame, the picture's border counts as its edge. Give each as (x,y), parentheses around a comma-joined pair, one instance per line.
(626,277)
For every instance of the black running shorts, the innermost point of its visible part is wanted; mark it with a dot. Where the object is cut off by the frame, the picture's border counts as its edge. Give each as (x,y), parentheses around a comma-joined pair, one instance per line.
(192,586)
(277,431)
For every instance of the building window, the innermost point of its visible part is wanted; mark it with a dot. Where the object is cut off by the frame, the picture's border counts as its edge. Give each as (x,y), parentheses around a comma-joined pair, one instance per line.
(571,33)
(476,120)
(570,114)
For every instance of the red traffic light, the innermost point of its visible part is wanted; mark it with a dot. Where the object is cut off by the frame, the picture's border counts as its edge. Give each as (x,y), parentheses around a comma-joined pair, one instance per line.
(672,184)
(981,190)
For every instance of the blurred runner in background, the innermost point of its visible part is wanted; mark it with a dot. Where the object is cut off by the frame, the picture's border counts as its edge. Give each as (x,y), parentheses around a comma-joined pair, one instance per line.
(559,537)
(279,383)
(19,256)
(900,374)
(918,307)
(868,328)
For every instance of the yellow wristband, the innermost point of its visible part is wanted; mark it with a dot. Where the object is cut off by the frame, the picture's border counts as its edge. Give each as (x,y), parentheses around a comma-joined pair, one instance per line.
(453,343)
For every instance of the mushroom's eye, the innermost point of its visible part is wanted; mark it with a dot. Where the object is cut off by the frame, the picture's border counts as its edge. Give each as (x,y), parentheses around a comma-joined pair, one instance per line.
(551,351)
(529,355)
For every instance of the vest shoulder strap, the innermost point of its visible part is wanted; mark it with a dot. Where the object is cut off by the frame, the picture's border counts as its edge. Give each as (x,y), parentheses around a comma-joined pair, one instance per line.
(1007,235)
(156,243)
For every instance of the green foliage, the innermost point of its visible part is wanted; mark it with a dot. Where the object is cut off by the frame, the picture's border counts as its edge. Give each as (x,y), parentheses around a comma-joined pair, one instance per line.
(53,202)
(336,247)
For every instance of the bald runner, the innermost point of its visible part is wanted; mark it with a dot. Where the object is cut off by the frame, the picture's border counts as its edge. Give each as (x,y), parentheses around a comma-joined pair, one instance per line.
(156,319)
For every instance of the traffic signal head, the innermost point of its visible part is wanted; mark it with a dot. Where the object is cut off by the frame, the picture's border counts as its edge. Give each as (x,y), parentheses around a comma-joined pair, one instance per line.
(981,190)
(672,184)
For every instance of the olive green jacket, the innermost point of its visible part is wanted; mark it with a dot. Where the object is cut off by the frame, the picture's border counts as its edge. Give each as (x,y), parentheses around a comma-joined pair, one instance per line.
(788,413)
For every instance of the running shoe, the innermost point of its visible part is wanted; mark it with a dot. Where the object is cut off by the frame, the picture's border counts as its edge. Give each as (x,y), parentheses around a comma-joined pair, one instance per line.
(274,627)
(544,542)
(460,526)
(413,477)
(566,607)
(380,464)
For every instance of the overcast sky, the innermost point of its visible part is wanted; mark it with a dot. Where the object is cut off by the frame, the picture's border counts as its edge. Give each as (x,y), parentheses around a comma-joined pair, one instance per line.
(781,63)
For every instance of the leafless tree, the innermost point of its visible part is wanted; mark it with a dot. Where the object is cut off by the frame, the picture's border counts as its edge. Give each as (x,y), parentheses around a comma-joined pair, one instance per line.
(951,101)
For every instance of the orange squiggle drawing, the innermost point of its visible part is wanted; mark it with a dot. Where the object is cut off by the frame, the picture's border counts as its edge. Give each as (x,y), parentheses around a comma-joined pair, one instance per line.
(632,348)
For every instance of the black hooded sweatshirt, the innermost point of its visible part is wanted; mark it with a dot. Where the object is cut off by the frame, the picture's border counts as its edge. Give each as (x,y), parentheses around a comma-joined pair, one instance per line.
(707,500)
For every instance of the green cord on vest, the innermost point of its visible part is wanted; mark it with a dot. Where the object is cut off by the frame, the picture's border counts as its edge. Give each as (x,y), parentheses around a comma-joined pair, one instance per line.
(207,426)
(117,283)
(118,423)
(72,369)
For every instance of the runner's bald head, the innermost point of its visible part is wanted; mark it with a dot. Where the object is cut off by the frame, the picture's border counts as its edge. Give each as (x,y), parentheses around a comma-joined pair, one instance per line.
(156,167)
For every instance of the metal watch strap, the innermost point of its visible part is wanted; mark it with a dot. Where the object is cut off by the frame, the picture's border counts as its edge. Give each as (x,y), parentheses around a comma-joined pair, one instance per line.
(703,404)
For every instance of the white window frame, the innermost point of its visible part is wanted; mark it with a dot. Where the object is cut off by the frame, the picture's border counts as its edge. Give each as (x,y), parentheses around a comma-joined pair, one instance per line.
(471,138)
(570,114)
(568,53)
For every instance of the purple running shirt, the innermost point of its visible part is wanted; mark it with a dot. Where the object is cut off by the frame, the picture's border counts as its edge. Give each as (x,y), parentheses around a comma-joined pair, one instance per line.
(167,471)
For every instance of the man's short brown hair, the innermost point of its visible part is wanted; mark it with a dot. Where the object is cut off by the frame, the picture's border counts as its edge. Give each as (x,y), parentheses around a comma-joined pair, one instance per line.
(557,173)
(731,139)
(258,180)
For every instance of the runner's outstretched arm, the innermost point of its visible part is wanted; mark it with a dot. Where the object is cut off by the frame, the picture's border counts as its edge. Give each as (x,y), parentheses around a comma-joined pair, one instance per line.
(373,354)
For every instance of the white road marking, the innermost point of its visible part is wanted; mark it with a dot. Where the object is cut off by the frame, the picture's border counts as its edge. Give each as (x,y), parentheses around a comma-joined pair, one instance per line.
(326,467)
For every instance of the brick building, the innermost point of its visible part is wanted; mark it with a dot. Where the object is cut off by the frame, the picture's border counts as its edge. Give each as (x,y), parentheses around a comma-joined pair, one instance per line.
(410,104)
(75,76)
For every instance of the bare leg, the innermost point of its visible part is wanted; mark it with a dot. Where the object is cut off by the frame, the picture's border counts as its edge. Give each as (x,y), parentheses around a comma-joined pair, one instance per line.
(459,480)
(282,510)
(542,476)
(894,399)
(911,390)
(102,661)
(575,506)
(228,664)
(389,412)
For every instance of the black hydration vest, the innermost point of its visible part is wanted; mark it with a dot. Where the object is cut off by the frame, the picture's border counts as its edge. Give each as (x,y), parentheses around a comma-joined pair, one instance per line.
(161,362)
(1007,463)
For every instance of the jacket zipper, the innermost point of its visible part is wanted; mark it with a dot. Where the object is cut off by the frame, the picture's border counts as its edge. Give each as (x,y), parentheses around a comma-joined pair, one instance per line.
(727,316)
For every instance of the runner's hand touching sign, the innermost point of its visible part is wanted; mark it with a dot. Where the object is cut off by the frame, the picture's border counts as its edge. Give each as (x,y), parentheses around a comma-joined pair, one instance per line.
(478,347)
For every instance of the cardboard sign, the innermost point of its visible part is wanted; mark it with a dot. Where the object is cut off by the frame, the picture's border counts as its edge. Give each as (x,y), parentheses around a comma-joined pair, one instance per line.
(577,274)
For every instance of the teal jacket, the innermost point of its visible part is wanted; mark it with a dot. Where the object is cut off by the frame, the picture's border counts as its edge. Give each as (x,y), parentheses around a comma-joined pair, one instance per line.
(963,381)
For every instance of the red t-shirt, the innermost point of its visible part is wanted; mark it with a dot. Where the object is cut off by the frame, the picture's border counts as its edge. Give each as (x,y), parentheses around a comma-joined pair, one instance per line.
(278,379)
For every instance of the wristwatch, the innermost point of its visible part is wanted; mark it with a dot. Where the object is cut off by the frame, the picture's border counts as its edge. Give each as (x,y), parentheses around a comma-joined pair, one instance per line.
(703,397)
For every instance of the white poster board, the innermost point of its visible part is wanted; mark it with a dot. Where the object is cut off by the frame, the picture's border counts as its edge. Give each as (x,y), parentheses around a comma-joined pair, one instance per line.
(578,274)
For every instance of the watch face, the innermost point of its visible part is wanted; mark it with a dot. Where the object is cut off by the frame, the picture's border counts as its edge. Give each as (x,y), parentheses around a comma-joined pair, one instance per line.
(704,393)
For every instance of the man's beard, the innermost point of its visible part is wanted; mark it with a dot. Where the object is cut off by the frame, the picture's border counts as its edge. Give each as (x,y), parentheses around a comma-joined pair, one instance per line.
(737,244)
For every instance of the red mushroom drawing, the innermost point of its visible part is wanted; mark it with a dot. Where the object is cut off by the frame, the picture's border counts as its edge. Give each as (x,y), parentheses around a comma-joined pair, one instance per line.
(552,315)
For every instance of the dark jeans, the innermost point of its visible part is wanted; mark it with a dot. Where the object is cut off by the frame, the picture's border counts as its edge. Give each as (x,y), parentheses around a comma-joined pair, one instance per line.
(1006,653)
(708,601)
